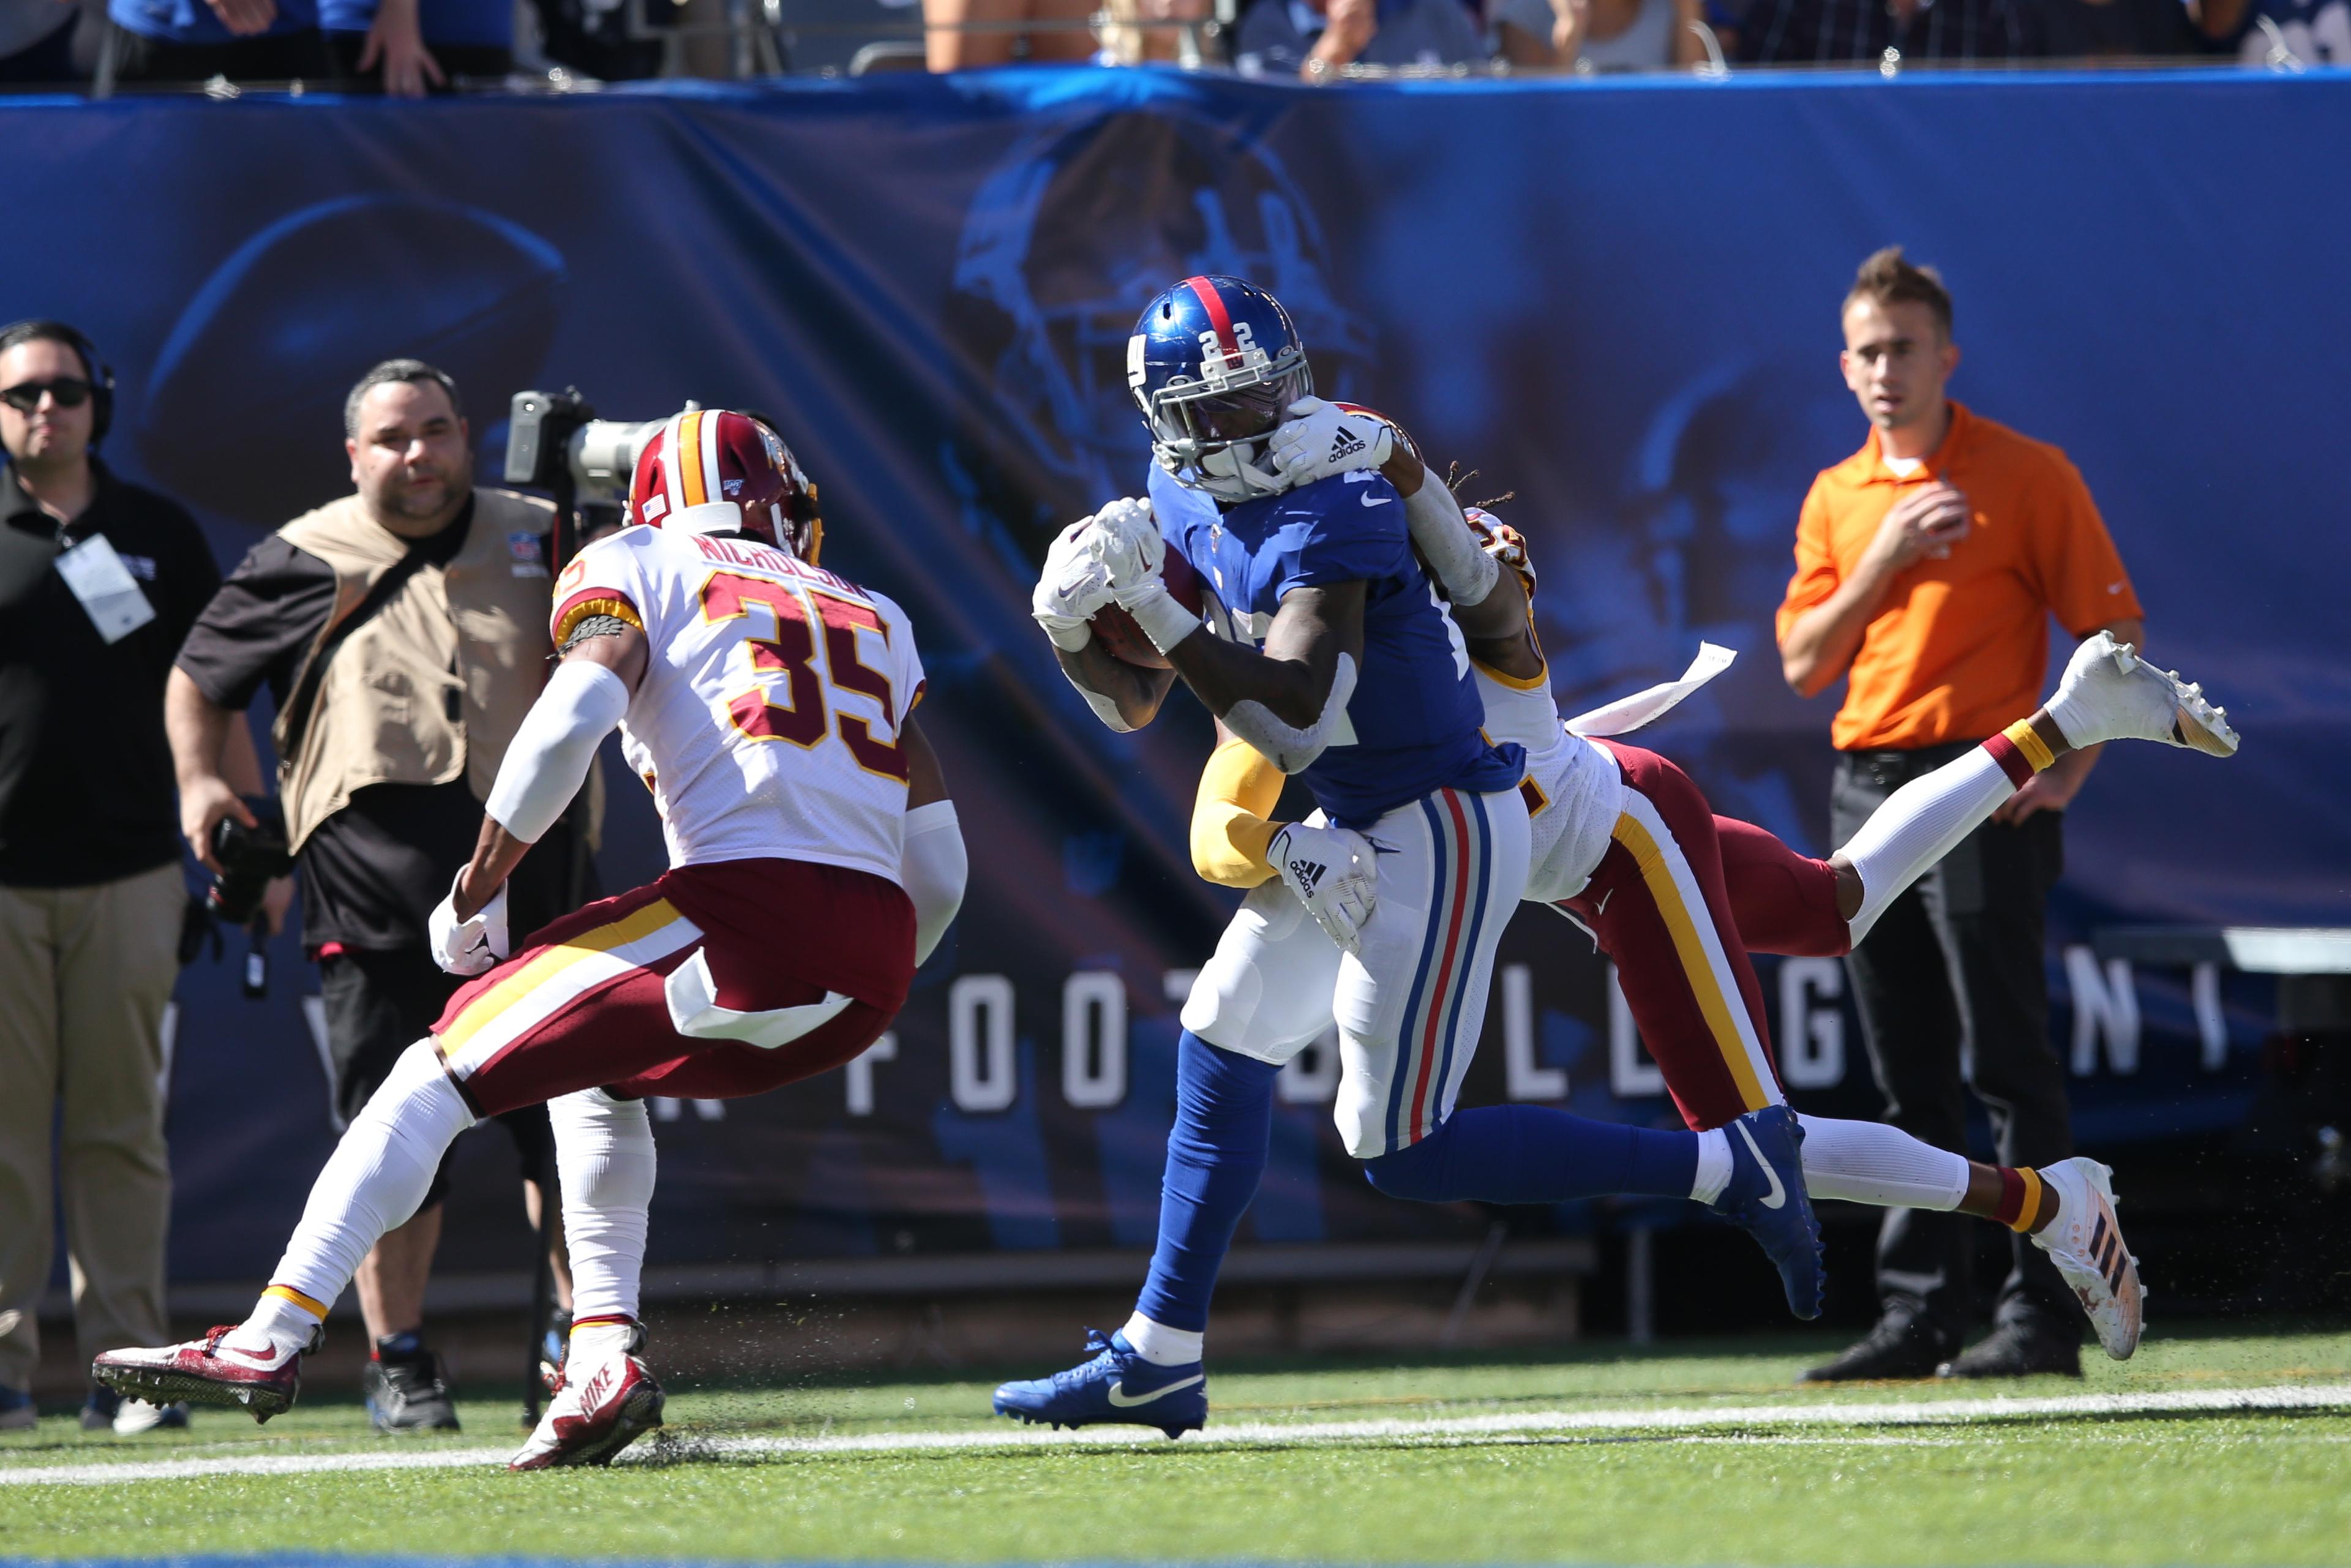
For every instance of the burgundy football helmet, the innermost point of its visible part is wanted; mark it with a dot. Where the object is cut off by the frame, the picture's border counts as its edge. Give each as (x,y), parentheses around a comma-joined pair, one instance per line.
(714,471)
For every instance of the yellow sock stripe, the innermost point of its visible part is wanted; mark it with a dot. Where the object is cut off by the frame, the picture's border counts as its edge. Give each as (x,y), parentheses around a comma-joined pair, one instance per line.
(2035,1194)
(289,1293)
(1696,963)
(485,1009)
(2028,740)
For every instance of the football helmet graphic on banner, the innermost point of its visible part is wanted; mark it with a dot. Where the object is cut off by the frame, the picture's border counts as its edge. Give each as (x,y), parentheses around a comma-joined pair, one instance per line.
(1213,364)
(714,471)
(1064,244)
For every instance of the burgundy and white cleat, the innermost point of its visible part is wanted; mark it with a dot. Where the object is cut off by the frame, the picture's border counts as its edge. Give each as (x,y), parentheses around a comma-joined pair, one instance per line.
(206,1371)
(599,1411)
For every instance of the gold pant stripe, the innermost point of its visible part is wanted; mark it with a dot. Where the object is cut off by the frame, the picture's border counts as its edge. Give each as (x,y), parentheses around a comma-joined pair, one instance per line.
(485,1009)
(1665,892)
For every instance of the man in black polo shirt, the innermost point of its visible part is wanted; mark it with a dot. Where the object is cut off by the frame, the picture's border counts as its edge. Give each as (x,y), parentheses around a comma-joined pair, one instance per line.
(99,583)
(390,722)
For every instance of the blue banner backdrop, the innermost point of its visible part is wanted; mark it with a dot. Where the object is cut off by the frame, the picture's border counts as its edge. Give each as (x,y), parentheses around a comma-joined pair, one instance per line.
(1616,300)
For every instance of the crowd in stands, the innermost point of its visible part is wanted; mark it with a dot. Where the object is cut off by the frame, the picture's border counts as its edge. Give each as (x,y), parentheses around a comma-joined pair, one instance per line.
(409,48)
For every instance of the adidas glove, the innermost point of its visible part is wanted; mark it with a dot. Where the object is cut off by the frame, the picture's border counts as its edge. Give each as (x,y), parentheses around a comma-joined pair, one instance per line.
(468,946)
(1319,439)
(1334,873)
(1074,584)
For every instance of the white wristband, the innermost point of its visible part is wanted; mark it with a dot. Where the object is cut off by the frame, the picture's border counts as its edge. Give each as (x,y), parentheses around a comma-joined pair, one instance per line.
(547,760)
(1156,611)
(1067,635)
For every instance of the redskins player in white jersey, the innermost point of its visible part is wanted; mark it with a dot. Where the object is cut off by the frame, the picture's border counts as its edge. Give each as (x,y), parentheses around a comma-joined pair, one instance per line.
(1623,842)
(814,862)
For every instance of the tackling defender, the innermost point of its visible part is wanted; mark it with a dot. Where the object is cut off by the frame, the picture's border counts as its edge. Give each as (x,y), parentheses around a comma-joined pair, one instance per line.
(814,858)
(1696,1002)
(1329,651)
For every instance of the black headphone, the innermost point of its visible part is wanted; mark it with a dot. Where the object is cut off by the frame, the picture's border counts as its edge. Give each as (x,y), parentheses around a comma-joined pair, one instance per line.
(100,373)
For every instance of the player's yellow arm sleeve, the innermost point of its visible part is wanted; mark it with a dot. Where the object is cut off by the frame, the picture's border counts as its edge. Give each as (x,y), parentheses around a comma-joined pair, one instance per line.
(1230,820)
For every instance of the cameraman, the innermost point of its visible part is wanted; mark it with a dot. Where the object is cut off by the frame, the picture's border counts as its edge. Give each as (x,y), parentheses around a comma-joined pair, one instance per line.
(402,633)
(99,581)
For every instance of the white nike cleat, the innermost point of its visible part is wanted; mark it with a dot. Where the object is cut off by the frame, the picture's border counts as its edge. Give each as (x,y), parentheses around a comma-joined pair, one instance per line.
(2109,693)
(2085,1242)
(599,1411)
(262,1380)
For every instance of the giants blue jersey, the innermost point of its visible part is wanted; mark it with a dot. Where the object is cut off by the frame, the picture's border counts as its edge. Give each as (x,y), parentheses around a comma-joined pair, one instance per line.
(1412,726)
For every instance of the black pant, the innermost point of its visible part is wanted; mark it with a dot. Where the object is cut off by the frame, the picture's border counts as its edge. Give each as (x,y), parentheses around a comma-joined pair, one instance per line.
(1953,970)
(275,57)
(379,1003)
(484,62)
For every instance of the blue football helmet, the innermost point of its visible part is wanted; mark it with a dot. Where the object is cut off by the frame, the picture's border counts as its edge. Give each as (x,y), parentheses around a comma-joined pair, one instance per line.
(1212,364)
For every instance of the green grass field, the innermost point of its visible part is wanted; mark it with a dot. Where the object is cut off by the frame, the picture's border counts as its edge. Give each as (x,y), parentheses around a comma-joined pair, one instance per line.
(1696,1454)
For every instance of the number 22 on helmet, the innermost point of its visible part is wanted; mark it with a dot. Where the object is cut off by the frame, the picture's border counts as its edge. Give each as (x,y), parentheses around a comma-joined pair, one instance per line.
(1213,363)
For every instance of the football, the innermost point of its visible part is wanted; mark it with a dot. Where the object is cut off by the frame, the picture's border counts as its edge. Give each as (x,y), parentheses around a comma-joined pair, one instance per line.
(1123,640)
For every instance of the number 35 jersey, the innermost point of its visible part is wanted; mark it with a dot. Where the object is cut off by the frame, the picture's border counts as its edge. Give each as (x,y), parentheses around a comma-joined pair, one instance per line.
(769,723)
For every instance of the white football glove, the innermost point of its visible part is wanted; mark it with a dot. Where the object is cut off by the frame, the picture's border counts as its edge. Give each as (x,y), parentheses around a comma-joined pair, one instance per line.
(1334,873)
(1126,539)
(1074,584)
(468,946)
(1319,439)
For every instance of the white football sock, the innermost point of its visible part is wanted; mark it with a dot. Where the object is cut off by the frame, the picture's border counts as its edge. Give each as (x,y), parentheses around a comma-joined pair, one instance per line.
(604,1161)
(593,1342)
(375,1180)
(1869,1162)
(1919,824)
(1713,1165)
(277,1324)
(1160,1345)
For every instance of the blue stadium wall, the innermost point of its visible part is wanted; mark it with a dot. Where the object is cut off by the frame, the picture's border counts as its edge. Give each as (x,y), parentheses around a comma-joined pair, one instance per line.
(1617,301)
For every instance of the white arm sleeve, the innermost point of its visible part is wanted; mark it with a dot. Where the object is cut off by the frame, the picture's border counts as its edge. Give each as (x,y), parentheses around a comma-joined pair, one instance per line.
(547,760)
(1462,564)
(1294,751)
(933,867)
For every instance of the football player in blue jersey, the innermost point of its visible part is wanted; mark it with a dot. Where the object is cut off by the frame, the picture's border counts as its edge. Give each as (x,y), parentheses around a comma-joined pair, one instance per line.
(1323,645)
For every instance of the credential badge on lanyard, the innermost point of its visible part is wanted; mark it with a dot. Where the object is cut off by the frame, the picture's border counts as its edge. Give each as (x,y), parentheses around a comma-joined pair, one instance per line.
(109,595)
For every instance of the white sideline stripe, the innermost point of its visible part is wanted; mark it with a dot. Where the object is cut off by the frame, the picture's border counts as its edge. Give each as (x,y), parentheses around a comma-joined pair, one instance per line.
(1505,1426)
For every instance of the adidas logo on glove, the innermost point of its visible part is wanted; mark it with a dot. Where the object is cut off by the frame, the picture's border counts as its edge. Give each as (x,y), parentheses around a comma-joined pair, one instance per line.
(1308,874)
(1347,445)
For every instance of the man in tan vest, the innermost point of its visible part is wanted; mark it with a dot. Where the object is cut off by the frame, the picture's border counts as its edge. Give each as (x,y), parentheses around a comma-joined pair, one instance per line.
(402,632)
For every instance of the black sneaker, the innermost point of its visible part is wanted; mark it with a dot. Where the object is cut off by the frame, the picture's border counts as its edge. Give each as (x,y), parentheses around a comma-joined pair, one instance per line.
(97,1411)
(2019,1350)
(407,1392)
(1897,1347)
(17,1410)
(107,1411)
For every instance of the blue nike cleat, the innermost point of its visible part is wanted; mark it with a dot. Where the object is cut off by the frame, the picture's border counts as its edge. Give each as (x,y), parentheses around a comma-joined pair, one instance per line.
(1766,1198)
(1116,1385)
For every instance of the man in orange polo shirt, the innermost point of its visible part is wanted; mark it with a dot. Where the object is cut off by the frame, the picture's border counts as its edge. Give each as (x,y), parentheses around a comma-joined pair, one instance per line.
(1927,566)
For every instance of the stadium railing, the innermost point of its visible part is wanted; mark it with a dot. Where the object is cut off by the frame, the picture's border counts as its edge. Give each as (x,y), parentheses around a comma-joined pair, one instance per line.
(765,38)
